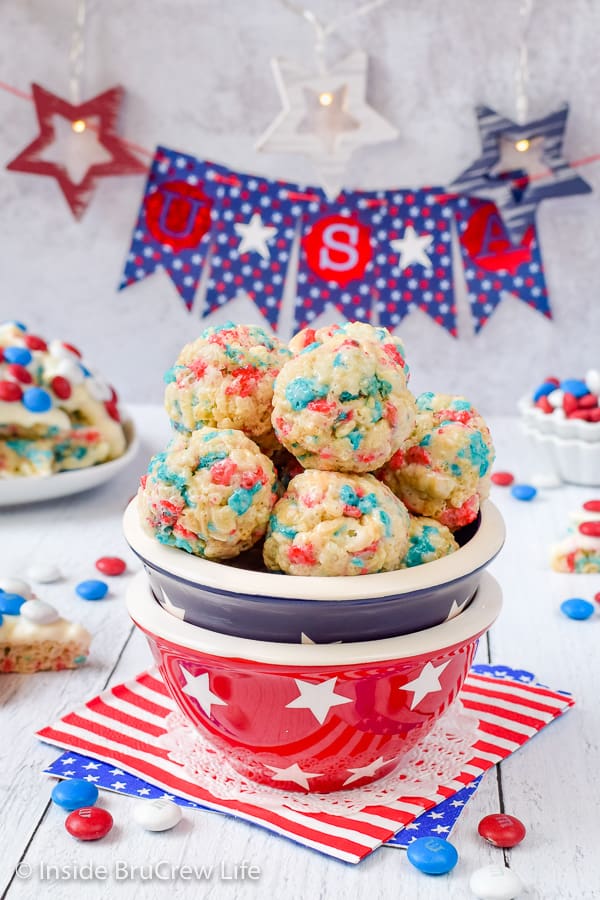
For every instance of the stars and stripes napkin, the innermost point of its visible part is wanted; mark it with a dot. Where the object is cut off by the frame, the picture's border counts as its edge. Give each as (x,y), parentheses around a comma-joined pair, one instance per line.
(121,726)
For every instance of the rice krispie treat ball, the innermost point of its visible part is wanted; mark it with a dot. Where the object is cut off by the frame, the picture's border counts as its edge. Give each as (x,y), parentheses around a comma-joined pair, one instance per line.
(360,331)
(343,405)
(224,379)
(443,469)
(427,540)
(210,493)
(330,523)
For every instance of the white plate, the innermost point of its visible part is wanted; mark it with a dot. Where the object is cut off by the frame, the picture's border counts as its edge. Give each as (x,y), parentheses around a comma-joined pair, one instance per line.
(15,491)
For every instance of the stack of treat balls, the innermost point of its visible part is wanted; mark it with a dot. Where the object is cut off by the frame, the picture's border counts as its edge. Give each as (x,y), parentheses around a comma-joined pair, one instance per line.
(55,414)
(318,447)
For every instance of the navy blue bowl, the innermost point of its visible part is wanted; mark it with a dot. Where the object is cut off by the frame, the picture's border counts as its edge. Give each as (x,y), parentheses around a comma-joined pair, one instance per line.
(241,598)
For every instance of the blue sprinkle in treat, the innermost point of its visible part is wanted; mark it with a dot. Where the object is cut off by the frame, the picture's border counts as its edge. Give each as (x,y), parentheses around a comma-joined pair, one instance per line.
(386,522)
(37,400)
(577,608)
(424,401)
(10,604)
(92,589)
(302,391)
(209,459)
(572,386)
(432,855)
(241,500)
(74,793)
(310,347)
(348,495)
(460,405)
(523,491)
(543,390)
(367,503)
(288,531)
(20,355)
(355,437)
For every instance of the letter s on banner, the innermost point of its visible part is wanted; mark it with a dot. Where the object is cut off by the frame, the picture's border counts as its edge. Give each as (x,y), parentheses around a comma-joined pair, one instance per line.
(338,248)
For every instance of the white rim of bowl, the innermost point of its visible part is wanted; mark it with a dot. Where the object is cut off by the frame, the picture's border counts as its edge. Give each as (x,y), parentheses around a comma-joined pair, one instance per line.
(475,554)
(149,615)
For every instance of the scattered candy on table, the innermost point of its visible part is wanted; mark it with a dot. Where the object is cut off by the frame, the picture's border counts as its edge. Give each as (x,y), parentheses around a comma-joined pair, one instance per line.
(502,479)
(44,573)
(111,565)
(92,589)
(431,855)
(74,793)
(577,608)
(545,481)
(90,823)
(157,815)
(502,830)
(523,491)
(495,883)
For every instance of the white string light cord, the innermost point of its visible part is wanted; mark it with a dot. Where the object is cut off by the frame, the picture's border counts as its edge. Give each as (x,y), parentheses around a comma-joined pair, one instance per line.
(324,30)
(522,73)
(77,52)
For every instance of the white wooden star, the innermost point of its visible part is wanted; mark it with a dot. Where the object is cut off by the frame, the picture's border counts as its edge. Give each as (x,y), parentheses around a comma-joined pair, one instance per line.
(198,687)
(427,682)
(294,773)
(365,771)
(254,236)
(330,134)
(412,248)
(319,698)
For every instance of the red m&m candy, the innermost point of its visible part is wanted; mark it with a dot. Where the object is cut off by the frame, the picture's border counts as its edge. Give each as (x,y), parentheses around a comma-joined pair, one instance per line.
(90,823)
(502,830)
(592,506)
(10,392)
(591,529)
(111,565)
(503,479)
(61,387)
(19,373)
(33,342)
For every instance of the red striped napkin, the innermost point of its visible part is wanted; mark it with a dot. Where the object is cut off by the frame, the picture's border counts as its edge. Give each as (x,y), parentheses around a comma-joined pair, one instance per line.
(121,726)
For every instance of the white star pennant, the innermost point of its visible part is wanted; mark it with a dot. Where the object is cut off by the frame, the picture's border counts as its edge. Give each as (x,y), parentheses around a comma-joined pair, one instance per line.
(412,248)
(198,687)
(427,682)
(325,116)
(319,698)
(254,236)
(294,773)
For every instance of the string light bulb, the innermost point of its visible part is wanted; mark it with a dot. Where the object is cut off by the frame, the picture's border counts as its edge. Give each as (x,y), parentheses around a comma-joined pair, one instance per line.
(522,146)
(325,98)
(78,126)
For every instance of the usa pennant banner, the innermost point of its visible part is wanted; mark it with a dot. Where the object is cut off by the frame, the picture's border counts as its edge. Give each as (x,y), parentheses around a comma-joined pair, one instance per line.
(494,264)
(123,727)
(174,222)
(254,226)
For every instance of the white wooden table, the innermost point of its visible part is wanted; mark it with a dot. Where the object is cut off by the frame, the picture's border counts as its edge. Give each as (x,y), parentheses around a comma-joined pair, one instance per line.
(552,784)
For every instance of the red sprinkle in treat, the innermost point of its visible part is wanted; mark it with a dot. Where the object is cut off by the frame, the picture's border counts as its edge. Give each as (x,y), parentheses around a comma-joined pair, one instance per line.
(302,556)
(10,392)
(592,505)
(222,472)
(111,565)
(591,529)
(503,479)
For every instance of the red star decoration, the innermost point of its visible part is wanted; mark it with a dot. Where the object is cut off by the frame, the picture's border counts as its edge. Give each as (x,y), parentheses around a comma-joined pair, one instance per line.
(103,111)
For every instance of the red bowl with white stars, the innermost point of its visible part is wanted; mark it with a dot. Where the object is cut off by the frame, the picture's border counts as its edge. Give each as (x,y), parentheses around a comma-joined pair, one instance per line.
(321,717)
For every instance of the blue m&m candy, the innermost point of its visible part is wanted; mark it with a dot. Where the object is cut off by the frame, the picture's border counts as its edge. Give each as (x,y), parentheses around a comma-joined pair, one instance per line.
(543,390)
(574,386)
(74,793)
(19,355)
(523,491)
(92,589)
(14,322)
(37,400)
(432,855)
(574,608)
(10,604)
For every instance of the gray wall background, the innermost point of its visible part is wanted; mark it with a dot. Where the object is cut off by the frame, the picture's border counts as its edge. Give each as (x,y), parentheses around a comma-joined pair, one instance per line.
(198,79)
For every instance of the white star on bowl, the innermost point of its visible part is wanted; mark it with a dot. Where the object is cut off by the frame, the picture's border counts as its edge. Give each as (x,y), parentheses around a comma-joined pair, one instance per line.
(198,687)
(294,773)
(427,682)
(319,698)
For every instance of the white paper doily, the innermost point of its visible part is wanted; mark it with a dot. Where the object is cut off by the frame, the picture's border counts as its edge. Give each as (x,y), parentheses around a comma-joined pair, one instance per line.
(437,759)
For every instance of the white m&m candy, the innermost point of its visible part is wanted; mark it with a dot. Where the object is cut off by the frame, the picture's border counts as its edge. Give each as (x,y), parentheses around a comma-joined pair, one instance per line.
(12,585)
(40,612)
(495,883)
(157,815)
(44,573)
